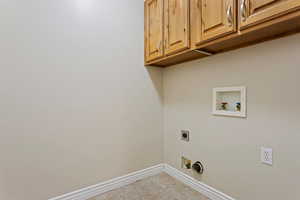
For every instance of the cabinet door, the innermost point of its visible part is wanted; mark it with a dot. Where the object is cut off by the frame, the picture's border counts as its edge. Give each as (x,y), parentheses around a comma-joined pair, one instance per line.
(176,25)
(196,24)
(257,11)
(218,18)
(153,29)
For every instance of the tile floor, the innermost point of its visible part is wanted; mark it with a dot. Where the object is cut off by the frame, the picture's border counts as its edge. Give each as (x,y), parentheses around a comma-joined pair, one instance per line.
(159,187)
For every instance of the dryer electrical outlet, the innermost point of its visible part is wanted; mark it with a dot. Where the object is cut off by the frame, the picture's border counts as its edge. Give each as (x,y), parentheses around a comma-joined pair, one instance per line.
(185,135)
(267,155)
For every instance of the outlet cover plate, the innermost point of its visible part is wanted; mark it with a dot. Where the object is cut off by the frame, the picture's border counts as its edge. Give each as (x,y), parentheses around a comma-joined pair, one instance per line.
(267,155)
(185,135)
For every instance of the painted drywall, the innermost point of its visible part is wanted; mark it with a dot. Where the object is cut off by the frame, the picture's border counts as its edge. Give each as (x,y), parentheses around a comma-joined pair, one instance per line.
(77,104)
(230,147)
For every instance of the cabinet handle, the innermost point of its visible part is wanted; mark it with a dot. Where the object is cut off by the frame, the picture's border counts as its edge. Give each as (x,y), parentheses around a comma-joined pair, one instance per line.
(159,46)
(198,4)
(243,10)
(202,21)
(229,15)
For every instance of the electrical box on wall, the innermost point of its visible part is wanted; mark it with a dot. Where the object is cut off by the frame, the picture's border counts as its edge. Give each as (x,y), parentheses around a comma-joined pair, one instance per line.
(186,163)
(229,101)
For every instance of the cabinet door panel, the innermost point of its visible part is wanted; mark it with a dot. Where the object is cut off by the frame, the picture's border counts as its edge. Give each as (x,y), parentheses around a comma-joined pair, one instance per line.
(218,18)
(176,25)
(153,29)
(257,11)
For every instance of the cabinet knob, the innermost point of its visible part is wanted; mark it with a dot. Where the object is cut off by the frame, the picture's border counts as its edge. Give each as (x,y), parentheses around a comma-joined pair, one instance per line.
(229,15)
(243,10)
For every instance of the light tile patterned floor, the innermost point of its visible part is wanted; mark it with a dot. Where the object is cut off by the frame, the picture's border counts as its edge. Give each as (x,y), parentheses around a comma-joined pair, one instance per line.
(159,187)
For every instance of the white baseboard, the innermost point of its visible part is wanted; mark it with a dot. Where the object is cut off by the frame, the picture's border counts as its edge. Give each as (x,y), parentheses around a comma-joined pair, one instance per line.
(95,190)
(204,189)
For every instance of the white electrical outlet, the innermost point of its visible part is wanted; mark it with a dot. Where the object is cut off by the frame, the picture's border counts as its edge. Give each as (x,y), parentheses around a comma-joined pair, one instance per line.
(267,156)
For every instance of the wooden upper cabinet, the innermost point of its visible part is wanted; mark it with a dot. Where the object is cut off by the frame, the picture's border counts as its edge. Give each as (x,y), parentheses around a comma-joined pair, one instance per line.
(176,26)
(218,18)
(153,29)
(182,30)
(258,11)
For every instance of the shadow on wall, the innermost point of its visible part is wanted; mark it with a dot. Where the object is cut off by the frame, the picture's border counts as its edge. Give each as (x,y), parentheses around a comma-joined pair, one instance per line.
(155,74)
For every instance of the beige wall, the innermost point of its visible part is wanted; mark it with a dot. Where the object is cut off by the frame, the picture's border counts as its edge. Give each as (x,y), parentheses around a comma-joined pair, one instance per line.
(77,105)
(230,147)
